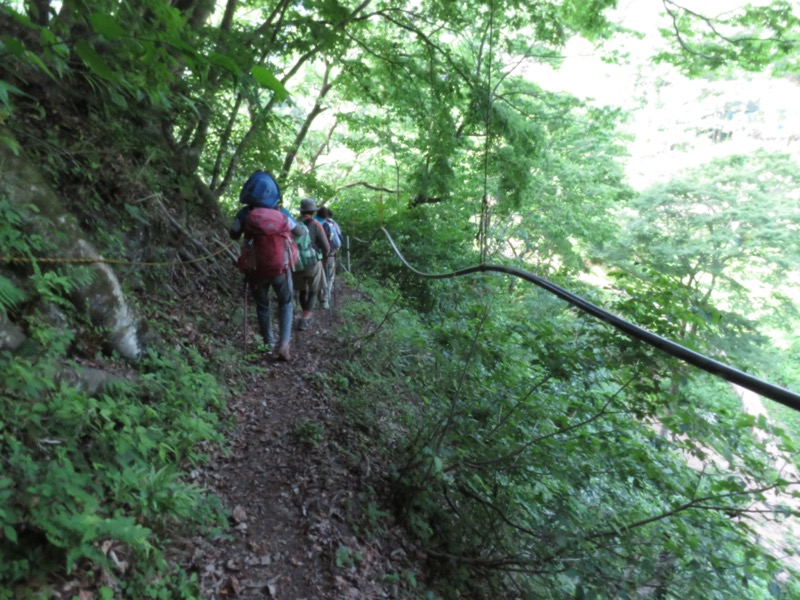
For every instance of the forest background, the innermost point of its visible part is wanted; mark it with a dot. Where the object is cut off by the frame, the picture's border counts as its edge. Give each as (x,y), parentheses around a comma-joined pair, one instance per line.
(533,452)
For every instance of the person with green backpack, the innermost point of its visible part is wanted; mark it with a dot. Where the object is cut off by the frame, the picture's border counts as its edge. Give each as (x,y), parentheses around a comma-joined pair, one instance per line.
(309,273)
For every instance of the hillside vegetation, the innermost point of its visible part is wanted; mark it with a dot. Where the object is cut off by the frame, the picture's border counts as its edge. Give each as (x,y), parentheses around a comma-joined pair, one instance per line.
(518,446)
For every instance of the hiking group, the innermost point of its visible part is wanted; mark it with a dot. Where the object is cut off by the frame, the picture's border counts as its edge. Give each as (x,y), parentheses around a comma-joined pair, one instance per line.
(285,254)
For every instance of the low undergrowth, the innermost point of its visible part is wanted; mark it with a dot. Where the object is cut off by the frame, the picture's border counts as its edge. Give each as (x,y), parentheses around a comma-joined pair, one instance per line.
(535,458)
(93,486)
(94,483)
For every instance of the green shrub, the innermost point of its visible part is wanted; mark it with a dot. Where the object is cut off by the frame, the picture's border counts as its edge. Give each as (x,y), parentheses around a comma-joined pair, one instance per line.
(81,473)
(534,454)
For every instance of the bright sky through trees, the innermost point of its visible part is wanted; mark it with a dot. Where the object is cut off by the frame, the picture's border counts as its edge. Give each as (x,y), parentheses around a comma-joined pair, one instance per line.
(674,118)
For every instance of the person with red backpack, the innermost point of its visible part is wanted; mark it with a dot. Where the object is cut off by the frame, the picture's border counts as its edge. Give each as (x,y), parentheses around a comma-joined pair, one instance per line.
(310,281)
(268,255)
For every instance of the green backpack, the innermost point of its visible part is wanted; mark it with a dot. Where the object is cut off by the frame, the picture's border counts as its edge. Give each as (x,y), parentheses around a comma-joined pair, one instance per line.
(306,253)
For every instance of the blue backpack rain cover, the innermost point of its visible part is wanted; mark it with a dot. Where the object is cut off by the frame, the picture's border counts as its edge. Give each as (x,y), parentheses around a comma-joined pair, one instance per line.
(260,191)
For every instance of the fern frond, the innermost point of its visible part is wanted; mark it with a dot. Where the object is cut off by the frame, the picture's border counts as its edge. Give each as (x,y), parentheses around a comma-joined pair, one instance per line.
(10,294)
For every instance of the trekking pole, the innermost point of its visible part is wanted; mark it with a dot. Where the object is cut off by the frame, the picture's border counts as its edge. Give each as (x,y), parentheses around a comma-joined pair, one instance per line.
(244,320)
(330,304)
(297,309)
(332,301)
(332,281)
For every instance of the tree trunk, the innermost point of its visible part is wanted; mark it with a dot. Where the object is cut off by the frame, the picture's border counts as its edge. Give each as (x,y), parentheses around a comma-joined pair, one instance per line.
(38,11)
(301,135)
(196,12)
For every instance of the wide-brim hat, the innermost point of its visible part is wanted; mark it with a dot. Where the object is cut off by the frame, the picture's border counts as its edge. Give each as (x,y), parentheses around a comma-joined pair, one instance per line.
(308,205)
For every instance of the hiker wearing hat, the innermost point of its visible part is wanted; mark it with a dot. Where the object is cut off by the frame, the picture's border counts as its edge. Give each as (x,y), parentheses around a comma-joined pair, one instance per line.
(310,281)
(268,255)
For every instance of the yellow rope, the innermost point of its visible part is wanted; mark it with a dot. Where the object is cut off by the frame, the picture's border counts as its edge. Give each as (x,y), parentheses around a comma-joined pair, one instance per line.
(111,261)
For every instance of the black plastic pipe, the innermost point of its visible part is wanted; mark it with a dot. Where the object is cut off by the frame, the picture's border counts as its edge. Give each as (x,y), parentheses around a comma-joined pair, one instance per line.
(754,384)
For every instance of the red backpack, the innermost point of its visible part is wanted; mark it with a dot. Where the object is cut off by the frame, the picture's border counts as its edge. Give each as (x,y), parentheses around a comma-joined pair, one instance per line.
(269,249)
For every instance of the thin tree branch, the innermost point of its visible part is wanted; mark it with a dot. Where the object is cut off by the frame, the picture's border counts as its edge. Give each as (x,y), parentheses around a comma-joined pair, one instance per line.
(694,503)
(315,111)
(519,403)
(561,431)
(679,36)
(367,185)
(325,144)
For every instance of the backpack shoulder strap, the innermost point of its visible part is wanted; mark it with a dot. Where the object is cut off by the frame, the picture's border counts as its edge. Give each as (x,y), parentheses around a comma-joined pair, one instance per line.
(323,238)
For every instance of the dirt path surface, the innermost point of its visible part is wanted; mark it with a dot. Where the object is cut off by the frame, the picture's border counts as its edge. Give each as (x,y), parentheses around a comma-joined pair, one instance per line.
(298,487)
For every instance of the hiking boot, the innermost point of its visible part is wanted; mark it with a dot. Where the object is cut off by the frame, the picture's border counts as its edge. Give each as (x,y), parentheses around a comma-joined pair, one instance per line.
(304,324)
(325,305)
(283,353)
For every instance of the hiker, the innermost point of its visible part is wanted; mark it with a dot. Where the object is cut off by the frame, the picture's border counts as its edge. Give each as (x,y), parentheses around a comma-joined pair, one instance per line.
(311,280)
(268,255)
(331,227)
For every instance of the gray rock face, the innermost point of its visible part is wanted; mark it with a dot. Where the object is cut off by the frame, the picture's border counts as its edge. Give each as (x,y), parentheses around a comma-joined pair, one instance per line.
(87,379)
(102,299)
(11,336)
(107,306)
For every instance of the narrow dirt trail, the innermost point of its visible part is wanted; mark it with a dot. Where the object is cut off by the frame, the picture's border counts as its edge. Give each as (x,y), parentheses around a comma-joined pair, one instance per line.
(297,491)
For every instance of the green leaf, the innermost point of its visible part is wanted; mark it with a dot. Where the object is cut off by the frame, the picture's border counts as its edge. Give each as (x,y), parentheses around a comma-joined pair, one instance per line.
(225,62)
(10,143)
(5,88)
(106,593)
(106,26)
(266,78)
(160,100)
(10,533)
(118,99)
(12,45)
(10,295)
(437,464)
(40,63)
(94,61)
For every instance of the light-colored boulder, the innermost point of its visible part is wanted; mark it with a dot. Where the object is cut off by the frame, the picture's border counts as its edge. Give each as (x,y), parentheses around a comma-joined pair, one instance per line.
(103,300)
